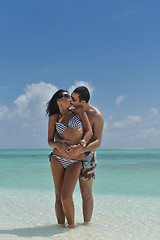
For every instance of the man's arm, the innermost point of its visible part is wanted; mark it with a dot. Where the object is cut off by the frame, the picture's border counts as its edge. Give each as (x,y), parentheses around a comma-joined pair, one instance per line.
(97,134)
(97,129)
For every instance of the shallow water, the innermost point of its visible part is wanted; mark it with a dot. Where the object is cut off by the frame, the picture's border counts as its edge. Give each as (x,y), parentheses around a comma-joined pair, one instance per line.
(126,193)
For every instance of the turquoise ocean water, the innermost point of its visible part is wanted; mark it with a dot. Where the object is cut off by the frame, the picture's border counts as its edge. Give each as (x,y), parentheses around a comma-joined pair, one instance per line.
(126,194)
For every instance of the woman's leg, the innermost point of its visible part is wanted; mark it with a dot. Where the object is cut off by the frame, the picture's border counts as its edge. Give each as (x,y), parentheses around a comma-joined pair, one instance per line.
(58,178)
(70,179)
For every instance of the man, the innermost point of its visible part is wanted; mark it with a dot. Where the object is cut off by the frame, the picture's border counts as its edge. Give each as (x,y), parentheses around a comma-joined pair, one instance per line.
(80,98)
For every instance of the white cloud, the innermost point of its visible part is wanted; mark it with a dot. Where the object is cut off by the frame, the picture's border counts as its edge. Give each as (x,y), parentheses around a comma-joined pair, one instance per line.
(126,123)
(32,103)
(3,112)
(25,125)
(120,99)
(154,112)
(146,133)
(81,83)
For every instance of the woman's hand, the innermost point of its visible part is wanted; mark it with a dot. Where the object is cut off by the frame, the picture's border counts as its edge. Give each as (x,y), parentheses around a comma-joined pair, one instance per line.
(74,150)
(62,148)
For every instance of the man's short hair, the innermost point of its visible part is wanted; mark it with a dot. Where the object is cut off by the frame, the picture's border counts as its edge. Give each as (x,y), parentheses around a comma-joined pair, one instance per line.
(83,93)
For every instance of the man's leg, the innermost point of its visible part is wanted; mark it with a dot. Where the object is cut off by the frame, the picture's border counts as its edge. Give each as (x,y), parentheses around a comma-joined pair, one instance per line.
(87,198)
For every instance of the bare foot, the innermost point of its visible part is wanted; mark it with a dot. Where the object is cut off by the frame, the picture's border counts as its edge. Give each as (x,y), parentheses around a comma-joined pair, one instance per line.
(62,225)
(87,223)
(71,226)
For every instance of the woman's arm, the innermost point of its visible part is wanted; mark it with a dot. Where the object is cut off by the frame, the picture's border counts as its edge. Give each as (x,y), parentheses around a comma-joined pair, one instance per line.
(51,135)
(51,131)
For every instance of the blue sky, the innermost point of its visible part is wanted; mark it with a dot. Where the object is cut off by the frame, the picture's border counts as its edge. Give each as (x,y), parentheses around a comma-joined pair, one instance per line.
(110,46)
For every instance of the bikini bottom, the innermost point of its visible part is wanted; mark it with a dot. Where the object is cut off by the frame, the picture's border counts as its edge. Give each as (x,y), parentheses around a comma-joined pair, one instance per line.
(66,162)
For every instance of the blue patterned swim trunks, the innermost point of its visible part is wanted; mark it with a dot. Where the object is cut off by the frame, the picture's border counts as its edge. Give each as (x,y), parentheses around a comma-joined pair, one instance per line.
(89,164)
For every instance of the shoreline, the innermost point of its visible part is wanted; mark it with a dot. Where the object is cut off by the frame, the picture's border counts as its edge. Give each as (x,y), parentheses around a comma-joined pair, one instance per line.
(28,214)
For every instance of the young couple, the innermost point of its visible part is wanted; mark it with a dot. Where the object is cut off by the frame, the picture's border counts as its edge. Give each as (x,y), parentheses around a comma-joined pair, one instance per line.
(74,132)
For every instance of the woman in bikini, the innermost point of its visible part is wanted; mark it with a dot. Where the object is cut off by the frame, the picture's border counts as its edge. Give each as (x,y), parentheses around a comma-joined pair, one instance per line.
(73,126)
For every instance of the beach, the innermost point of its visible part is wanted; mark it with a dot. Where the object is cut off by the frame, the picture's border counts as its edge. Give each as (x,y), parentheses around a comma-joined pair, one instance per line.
(126,197)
